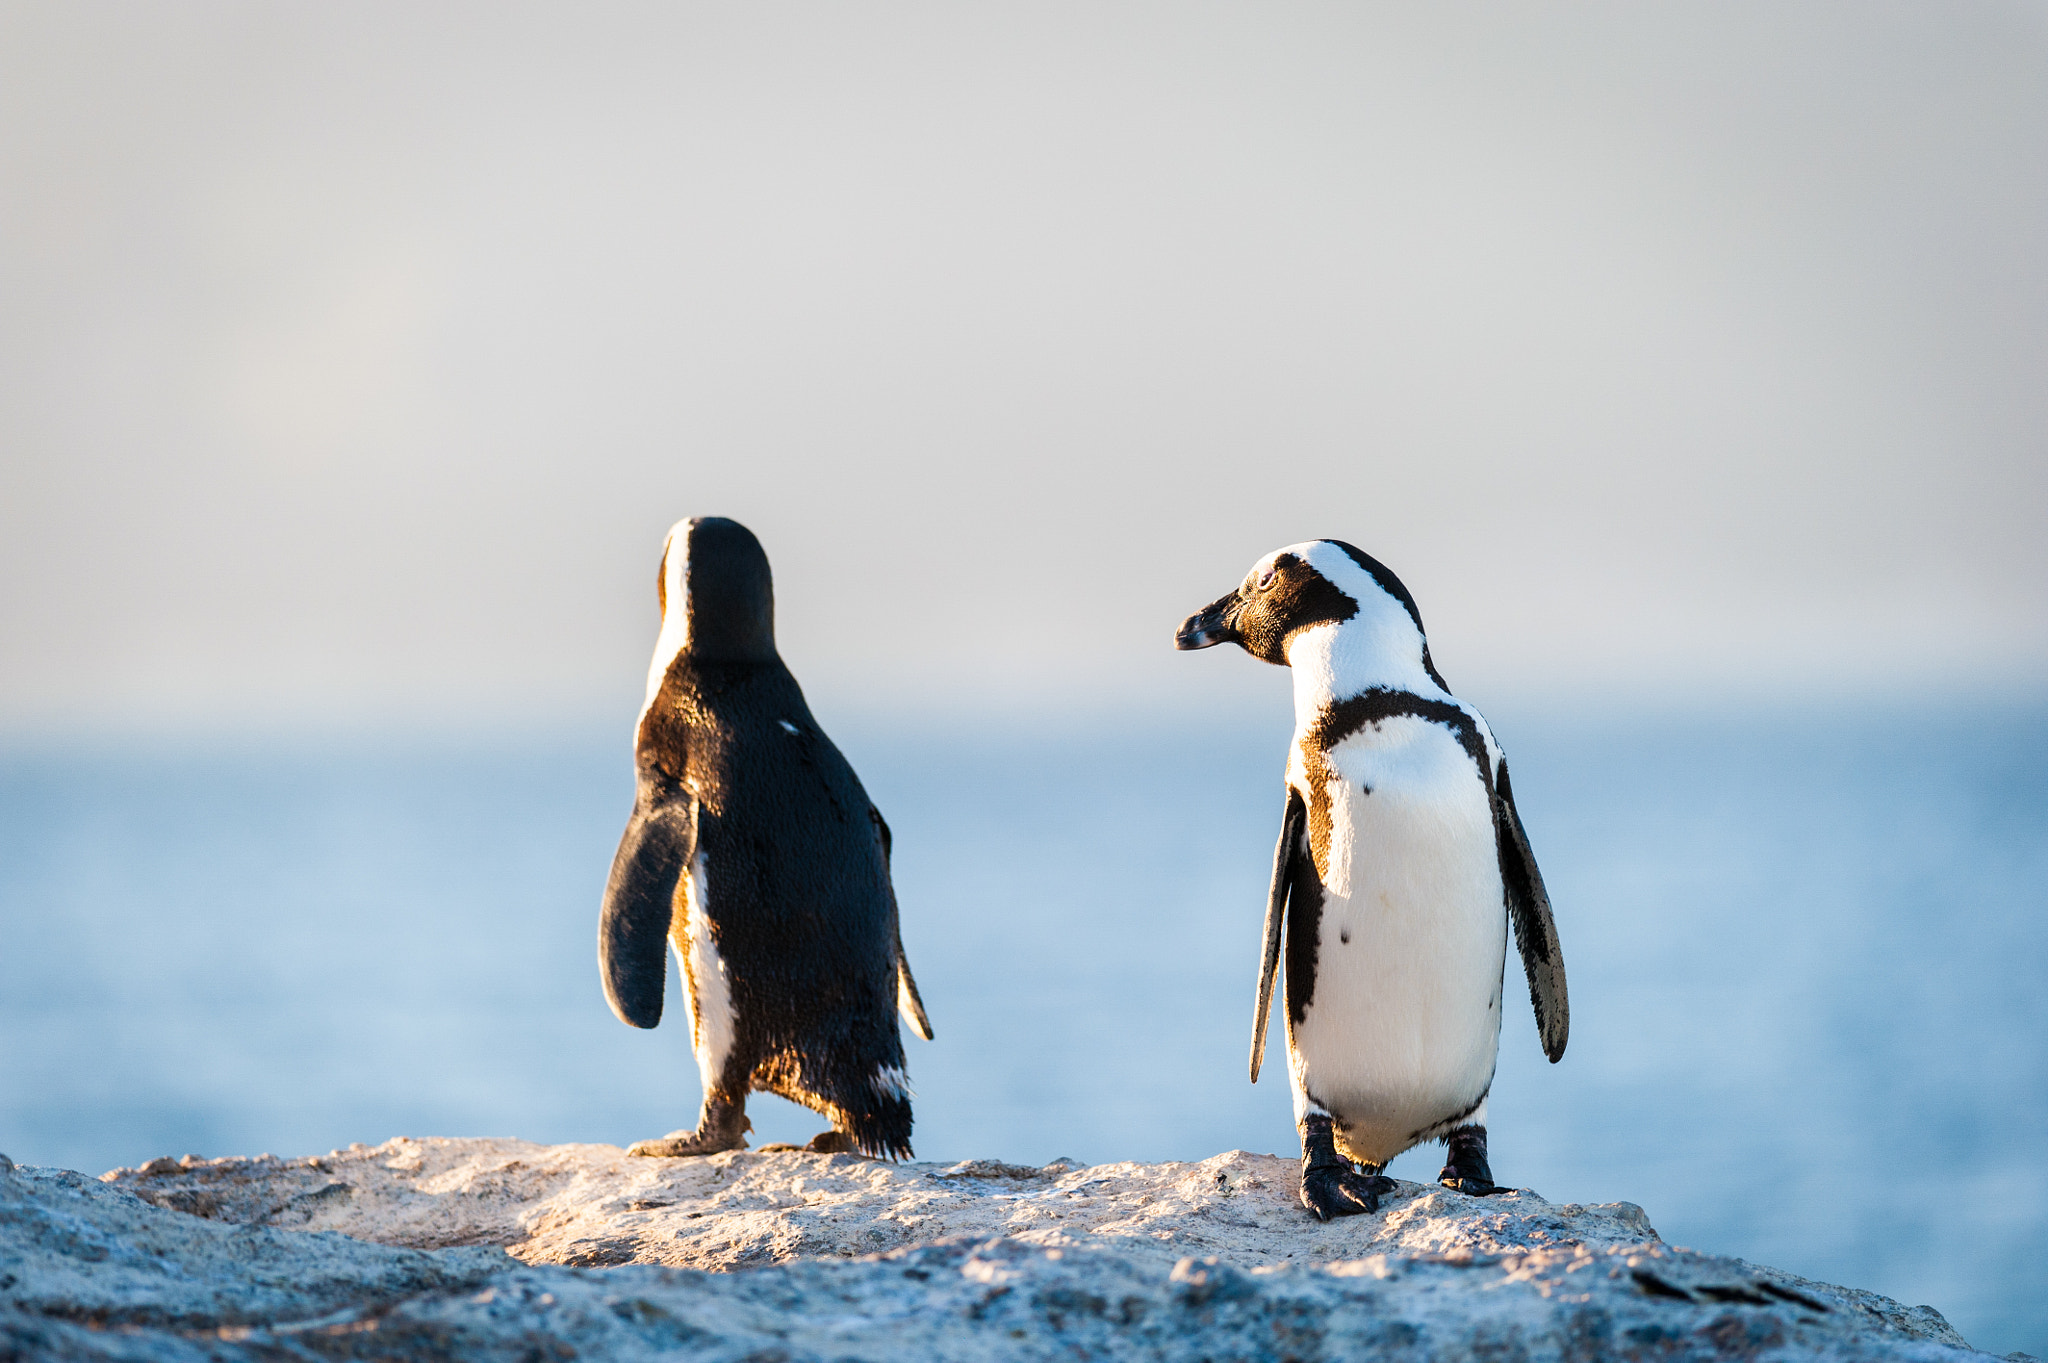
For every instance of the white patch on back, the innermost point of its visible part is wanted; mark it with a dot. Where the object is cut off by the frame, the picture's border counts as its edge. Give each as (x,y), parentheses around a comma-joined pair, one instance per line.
(675,614)
(891,1082)
(705,984)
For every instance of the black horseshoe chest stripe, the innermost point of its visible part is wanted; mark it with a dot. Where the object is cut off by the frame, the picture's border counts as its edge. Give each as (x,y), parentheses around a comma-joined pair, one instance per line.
(1341,719)
(1304,933)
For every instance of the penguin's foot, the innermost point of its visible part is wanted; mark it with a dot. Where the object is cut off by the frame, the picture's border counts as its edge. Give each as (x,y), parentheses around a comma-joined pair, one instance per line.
(720,1126)
(1465,1169)
(1341,1192)
(687,1142)
(1329,1185)
(824,1143)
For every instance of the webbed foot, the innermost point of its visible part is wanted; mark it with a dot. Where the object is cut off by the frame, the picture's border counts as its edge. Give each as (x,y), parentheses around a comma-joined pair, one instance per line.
(1465,1169)
(677,1144)
(722,1125)
(1329,1185)
(1341,1192)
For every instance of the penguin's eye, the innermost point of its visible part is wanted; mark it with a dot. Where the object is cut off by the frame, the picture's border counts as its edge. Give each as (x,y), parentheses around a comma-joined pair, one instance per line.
(1266,578)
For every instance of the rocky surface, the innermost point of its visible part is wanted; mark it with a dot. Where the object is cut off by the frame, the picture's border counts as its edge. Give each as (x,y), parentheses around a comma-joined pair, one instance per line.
(498,1248)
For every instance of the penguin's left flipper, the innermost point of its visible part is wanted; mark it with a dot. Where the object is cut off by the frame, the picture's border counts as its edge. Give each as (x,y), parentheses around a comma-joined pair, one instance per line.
(1291,825)
(1529,911)
(908,1002)
(639,901)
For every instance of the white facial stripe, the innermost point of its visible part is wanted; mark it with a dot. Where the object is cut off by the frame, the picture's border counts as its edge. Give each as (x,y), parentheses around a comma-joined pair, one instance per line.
(1354,581)
(675,614)
(1265,565)
(1379,646)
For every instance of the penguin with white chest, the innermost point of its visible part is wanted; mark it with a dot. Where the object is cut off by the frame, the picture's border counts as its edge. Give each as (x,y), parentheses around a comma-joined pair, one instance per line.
(754,851)
(1400,866)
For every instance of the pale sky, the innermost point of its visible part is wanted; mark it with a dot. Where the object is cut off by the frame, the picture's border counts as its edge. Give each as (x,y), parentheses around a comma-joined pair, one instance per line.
(354,359)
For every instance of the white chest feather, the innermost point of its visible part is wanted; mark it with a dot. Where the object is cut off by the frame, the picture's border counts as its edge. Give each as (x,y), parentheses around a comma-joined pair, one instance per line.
(1402,1027)
(1406,807)
(706,988)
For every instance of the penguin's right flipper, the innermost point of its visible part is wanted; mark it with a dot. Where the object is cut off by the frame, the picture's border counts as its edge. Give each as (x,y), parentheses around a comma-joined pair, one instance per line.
(1535,929)
(908,1002)
(639,901)
(1284,853)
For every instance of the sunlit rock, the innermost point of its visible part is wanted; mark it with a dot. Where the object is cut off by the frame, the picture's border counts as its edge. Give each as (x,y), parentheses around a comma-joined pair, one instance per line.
(440,1248)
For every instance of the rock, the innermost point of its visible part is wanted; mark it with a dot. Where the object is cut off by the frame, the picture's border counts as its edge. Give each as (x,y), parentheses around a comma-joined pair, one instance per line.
(587,1205)
(78,1257)
(439,1248)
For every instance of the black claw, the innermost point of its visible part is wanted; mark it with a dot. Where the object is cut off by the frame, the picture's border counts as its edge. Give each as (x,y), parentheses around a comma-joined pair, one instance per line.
(1329,1185)
(1340,1192)
(1465,1170)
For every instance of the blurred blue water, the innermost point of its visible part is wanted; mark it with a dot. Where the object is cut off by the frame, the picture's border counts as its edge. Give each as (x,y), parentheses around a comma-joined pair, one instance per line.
(1805,953)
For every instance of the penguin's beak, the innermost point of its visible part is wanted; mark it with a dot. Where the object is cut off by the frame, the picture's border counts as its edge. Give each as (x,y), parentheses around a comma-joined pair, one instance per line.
(1215,623)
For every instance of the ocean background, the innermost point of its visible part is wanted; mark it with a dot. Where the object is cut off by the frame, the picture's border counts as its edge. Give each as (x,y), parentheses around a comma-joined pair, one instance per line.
(1806,949)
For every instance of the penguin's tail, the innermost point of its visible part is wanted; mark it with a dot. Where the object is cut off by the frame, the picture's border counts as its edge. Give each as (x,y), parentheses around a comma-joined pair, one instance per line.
(877,1114)
(872,1106)
(884,1134)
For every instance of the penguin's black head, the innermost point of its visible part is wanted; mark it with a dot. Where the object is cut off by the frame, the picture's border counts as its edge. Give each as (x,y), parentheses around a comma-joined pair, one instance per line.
(1280,595)
(1320,582)
(728,597)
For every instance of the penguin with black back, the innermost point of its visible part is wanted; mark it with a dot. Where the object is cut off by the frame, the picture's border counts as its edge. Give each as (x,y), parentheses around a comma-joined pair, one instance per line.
(1400,866)
(754,852)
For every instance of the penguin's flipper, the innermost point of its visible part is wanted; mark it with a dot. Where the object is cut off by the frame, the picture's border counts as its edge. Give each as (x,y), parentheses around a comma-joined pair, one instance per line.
(907,1001)
(1276,910)
(639,900)
(1529,911)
